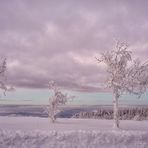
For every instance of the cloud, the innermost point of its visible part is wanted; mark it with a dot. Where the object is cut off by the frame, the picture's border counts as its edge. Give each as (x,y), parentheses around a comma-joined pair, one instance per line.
(59,39)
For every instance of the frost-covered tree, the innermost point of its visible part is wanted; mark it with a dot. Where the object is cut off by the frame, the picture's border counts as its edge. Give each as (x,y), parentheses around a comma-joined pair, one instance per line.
(124,74)
(2,75)
(58,98)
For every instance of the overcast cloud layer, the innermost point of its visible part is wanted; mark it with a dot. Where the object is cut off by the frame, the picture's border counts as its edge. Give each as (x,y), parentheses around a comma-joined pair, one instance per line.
(51,39)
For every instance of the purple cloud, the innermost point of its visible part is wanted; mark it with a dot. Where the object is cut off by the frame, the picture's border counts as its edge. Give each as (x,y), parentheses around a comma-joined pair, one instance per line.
(59,40)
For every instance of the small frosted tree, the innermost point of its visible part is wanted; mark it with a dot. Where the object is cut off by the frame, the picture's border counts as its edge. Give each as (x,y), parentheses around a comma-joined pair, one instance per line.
(2,75)
(58,98)
(124,74)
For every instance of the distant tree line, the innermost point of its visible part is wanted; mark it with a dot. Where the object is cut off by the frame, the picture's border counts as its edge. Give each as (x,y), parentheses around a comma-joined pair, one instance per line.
(136,113)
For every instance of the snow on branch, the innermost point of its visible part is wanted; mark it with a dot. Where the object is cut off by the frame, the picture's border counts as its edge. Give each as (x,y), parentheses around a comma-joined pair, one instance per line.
(58,98)
(125,75)
(138,78)
(2,75)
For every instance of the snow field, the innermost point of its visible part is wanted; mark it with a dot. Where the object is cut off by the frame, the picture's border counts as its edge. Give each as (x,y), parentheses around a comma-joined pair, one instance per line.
(34,132)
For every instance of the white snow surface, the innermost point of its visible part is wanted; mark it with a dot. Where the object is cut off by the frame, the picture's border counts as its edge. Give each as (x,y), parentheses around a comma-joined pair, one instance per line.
(35,132)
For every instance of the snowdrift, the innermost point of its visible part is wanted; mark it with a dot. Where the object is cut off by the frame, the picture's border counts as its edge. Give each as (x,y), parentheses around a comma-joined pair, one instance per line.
(73,139)
(33,132)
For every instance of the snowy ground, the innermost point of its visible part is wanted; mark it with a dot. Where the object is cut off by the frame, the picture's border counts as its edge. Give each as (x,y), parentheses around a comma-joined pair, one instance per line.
(35,132)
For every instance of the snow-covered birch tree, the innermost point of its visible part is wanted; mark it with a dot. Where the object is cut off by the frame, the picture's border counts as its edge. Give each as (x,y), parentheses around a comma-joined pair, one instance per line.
(58,98)
(124,74)
(2,75)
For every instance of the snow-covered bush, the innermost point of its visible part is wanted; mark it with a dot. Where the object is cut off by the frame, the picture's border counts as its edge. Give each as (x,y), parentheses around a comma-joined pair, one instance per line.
(124,74)
(58,98)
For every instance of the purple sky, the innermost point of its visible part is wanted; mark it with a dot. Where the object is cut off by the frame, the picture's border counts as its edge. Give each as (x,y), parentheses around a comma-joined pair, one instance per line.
(58,40)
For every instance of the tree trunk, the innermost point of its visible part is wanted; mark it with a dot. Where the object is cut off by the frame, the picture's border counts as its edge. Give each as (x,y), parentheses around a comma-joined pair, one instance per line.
(52,113)
(52,119)
(115,109)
